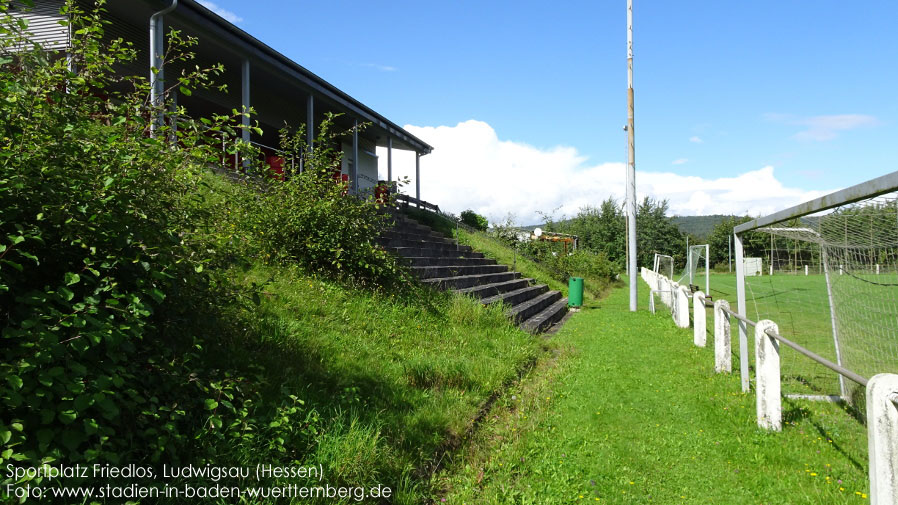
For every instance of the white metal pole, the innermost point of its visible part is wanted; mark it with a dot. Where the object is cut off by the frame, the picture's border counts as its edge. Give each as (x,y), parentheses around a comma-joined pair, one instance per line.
(833,317)
(730,253)
(245,98)
(418,176)
(631,162)
(355,158)
(707,269)
(741,309)
(389,159)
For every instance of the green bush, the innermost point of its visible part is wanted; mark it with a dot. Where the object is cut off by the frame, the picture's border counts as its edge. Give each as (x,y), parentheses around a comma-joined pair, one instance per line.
(474,220)
(105,245)
(307,219)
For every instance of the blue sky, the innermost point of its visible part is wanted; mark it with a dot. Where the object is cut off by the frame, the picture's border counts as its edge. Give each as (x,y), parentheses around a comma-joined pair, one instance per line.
(795,97)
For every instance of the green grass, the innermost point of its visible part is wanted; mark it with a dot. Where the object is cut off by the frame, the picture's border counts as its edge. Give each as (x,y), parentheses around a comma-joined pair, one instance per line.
(799,305)
(391,381)
(632,412)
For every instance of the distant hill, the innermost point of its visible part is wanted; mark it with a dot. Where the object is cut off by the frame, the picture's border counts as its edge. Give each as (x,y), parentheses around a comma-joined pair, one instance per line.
(698,226)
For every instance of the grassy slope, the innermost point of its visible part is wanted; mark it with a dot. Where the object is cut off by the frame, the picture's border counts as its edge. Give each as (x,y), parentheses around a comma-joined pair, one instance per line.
(391,380)
(631,412)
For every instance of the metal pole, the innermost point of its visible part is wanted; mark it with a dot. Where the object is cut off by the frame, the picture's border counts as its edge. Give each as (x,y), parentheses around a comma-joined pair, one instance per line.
(627,230)
(245,82)
(707,270)
(418,176)
(741,308)
(310,127)
(355,158)
(833,320)
(389,159)
(157,51)
(631,162)
(730,253)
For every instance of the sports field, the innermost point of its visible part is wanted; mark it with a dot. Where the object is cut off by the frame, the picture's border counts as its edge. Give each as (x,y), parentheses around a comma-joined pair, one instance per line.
(867,324)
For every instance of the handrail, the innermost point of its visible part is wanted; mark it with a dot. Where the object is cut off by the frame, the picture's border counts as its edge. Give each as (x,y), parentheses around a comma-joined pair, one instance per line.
(408,200)
(810,354)
(820,359)
(739,317)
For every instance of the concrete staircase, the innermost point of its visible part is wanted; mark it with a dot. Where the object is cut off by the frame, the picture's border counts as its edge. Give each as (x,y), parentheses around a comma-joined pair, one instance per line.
(439,262)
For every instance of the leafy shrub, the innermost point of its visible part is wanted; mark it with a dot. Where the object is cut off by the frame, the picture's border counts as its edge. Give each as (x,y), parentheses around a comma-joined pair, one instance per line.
(308,218)
(474,220)
(104,254)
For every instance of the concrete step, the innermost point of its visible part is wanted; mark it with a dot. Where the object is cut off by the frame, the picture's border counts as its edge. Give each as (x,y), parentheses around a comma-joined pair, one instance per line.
(424,261)
(524,311)
(413,235)
(432,272)
(467,281)
(550,315)
(487,290)
(516,297)
(418,252)
(430,243)
(411,225)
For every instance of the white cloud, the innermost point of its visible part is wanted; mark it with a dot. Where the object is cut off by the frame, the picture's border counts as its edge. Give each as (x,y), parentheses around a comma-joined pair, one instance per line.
(823,128)
(696,140)
(679,161)
(471,168)
(229,16)
(382,68)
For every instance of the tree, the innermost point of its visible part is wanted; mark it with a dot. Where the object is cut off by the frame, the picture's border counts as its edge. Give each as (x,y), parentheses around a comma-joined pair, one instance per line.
(657,233)
(474,220)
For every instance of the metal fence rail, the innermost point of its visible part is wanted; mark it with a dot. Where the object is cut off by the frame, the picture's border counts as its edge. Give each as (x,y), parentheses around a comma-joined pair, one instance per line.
(848,374)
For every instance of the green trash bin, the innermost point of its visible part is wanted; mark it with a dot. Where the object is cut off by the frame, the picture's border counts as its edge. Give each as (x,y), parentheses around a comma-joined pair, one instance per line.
(575,292)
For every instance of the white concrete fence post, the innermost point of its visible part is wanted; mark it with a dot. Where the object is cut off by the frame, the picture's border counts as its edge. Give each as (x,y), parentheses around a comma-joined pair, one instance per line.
(767,377)
(723,361)
(681,314)
(882,437)
(700,318)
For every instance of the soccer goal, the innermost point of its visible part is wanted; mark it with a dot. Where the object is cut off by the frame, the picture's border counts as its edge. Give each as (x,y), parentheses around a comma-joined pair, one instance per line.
(697,271)
(664,265)
(832,285)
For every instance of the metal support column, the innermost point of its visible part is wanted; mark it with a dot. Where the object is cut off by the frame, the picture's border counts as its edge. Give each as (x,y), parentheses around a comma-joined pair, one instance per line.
(389,159)
(418,175)
(157,52)
(245,101)
(741,309)
(310,122)
(355,158)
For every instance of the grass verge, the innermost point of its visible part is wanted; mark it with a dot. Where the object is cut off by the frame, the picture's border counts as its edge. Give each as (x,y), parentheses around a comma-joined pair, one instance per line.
(390,381)
(631,412)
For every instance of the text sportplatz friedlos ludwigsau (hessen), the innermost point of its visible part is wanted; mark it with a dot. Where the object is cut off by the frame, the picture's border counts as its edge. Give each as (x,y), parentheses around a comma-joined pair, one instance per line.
(81,481)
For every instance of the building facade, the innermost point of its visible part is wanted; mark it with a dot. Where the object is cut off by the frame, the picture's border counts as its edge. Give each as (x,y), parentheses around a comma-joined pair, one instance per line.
(279,90)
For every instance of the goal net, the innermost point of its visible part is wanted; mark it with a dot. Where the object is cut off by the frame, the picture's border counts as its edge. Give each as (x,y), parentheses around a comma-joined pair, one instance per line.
(831,285)
(664,265)
(696,272)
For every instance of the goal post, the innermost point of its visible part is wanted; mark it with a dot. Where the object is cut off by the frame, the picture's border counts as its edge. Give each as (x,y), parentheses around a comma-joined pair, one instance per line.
(835,288)
(696,256)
